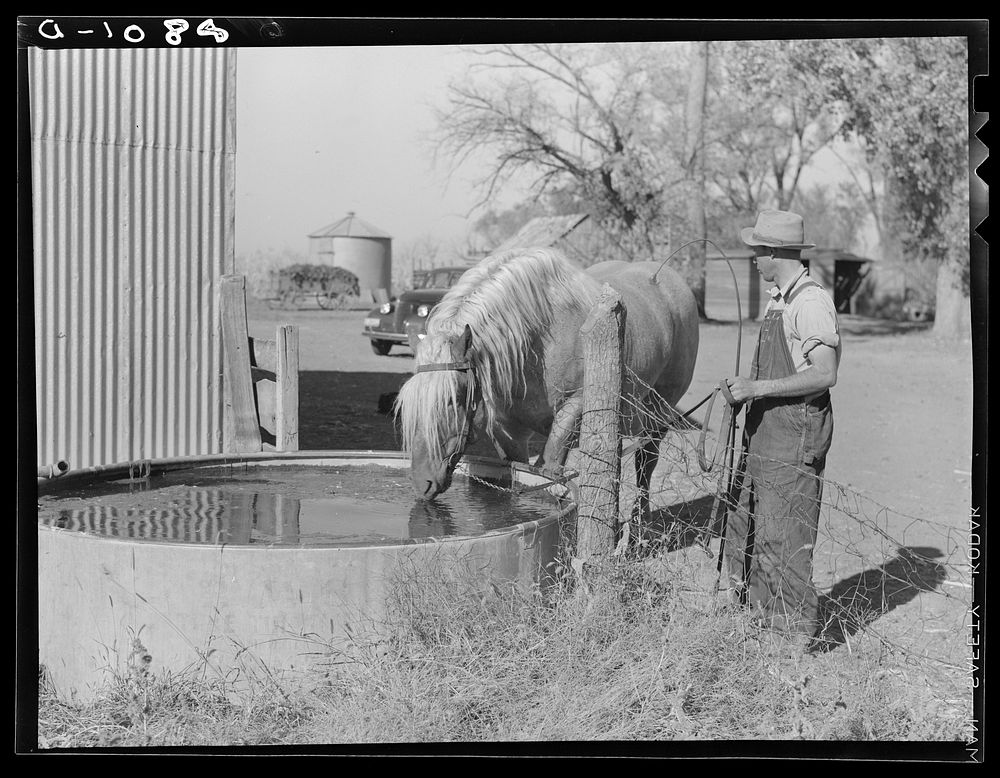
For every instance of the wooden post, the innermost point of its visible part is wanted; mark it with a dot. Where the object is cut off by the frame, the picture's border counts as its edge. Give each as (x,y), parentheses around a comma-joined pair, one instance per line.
(753,295)
(286,412)
(600,427)
(240,427)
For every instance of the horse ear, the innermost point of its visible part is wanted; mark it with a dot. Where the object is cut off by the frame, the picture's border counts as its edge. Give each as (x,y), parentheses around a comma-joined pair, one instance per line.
(463,343)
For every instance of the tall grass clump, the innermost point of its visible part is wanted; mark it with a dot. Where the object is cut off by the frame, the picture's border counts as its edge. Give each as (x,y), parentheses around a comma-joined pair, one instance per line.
(636,650)
(137,708)
(628,657)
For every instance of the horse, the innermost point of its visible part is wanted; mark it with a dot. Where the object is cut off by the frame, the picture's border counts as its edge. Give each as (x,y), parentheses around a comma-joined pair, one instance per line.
(502,356)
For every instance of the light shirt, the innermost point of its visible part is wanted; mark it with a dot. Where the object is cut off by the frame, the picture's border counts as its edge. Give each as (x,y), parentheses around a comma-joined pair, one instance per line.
(810,320)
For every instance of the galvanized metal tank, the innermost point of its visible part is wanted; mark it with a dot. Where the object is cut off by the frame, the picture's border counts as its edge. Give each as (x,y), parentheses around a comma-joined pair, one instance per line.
(357,246)
(232,609)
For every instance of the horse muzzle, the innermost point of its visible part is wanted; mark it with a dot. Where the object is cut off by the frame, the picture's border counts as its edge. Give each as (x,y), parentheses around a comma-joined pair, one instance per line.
(429,482)
(429,488)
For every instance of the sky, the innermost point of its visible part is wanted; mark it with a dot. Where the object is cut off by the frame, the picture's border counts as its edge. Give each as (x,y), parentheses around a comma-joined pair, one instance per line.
(323,131)
(327,130)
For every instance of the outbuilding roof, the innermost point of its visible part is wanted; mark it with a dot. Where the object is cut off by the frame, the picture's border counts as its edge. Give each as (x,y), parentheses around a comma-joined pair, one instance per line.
(543,231)
(350,227)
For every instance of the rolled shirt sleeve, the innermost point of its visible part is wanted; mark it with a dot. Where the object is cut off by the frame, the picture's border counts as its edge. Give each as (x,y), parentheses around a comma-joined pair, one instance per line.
(813,322)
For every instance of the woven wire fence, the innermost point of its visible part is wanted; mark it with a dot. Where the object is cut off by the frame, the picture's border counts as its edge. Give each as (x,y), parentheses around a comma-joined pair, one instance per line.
(899,579)
(882,575)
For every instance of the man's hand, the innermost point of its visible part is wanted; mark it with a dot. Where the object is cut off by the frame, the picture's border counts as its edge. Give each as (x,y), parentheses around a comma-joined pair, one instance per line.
(742,389)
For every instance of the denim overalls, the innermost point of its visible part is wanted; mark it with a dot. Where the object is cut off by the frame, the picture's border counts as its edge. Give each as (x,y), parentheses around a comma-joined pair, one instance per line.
(770,536)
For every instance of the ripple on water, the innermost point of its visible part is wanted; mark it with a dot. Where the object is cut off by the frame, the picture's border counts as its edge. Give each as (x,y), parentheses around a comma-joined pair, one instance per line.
(350,505)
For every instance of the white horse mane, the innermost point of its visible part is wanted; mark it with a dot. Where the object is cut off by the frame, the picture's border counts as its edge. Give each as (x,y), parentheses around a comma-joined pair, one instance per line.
(509,300)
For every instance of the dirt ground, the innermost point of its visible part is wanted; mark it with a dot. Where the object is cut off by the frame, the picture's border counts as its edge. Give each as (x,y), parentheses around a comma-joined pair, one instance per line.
(903,402)
(898,474)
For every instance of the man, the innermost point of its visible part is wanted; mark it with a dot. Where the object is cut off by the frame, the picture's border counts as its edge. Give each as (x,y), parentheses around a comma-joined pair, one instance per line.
(788,429)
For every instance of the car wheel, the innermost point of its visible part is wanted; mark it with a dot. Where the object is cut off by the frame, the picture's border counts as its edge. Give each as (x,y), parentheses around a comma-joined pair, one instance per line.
(381,347)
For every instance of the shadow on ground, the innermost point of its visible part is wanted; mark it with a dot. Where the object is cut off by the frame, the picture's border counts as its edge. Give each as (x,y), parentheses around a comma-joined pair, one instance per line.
(857,601)
(339,410)
(353,411)
(681,525)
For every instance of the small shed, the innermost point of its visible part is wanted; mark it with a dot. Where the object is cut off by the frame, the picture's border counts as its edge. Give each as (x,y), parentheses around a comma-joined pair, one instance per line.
(566,233)
(356,245)
(840,272)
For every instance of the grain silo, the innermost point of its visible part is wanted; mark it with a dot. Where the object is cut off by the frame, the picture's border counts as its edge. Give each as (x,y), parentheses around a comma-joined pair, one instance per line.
(357,246)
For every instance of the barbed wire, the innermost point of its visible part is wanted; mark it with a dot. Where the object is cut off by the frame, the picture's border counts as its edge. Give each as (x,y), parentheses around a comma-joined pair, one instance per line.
(869,559)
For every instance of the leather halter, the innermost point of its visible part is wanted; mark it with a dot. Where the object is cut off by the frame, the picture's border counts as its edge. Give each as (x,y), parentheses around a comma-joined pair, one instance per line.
(470,402)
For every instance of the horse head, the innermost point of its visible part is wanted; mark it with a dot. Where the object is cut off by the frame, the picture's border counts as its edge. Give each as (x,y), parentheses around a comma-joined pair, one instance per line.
(437,407)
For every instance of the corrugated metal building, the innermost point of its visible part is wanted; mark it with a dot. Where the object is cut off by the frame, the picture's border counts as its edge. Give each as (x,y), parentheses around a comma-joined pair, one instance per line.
(133,166)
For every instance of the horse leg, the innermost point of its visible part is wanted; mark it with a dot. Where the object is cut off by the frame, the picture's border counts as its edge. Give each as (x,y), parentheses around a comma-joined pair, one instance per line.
(511,443)
(565,426)
(657,418)
(646,458)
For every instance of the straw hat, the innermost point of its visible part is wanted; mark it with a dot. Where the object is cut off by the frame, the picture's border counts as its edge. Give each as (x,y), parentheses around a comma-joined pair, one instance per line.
(777,229)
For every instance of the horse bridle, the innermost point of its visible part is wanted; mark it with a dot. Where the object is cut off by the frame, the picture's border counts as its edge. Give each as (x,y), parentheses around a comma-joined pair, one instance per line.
(467,437)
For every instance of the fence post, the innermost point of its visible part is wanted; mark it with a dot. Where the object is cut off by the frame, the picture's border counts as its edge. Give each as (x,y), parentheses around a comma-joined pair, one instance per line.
(286,413)
(600,431)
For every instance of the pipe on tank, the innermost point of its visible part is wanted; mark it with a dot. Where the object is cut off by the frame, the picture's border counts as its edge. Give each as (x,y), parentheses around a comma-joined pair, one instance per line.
(54,470)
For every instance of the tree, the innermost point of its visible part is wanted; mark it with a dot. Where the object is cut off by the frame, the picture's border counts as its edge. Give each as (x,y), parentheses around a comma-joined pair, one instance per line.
(582,119)
(907,99)
(694,166)
(420,253)
(771,114)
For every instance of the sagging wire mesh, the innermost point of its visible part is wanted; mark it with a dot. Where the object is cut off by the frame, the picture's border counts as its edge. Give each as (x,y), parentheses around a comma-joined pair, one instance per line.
(869,559)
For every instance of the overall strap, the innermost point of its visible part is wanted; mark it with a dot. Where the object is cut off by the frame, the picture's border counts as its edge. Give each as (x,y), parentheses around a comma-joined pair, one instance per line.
(804,285)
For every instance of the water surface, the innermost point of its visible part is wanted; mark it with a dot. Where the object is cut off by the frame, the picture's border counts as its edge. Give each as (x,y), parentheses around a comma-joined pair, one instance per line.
(285,505)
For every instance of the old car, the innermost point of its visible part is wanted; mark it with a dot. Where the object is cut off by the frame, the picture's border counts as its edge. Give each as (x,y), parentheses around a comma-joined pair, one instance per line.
(402,321)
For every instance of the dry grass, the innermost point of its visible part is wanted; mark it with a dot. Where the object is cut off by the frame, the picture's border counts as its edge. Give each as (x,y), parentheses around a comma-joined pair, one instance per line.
(637,655)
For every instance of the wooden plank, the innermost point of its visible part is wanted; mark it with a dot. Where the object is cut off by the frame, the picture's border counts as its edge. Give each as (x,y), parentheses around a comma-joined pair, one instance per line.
(720,292)
(287,395)
(265,353)
(240,430)
(267,408)
(262,374)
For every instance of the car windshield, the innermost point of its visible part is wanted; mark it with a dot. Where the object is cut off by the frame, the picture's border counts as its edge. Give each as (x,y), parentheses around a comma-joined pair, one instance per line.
(442,278)
(439,279)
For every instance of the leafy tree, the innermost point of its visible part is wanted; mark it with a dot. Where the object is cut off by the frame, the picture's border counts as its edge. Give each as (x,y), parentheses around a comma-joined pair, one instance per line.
(614,127)
(906,100)
(694,167)
(771,114)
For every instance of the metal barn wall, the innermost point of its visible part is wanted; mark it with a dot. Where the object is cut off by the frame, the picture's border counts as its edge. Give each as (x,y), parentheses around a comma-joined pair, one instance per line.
(133,168)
